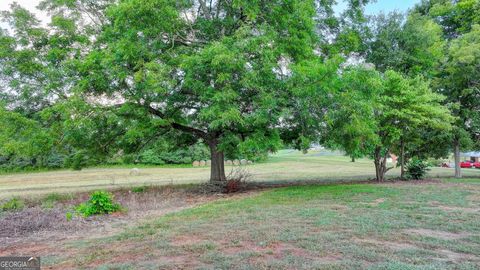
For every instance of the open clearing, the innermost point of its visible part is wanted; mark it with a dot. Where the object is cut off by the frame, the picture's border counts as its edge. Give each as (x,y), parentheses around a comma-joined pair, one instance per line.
(401,225)
(287,165)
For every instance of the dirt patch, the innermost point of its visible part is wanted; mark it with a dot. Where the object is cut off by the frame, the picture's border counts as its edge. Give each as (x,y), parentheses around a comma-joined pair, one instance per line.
(389,244)
(374,203)
(436,234)
(474,198)
(413,182)
(447,208)
(277,251)
(36,219)
(448,255)
(47,229)
(186,240)
(459,209)
(442,254)
(337,207)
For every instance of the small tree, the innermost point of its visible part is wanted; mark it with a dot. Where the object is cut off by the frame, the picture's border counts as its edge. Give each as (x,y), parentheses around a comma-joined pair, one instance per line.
(458,76)
(459,82)
(373,111)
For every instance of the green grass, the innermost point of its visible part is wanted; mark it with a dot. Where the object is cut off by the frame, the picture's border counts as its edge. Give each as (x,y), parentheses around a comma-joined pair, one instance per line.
(286,165)
(359,226)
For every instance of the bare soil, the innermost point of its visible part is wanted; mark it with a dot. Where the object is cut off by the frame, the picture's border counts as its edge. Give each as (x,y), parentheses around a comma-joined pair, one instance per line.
(36,230)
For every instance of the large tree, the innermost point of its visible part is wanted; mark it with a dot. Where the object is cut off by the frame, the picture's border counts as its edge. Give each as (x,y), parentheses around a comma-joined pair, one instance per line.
(215,70)
(227,73)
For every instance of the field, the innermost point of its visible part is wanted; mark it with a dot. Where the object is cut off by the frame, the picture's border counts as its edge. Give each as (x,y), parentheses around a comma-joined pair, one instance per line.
(407,225)
(287,165)
(322,224)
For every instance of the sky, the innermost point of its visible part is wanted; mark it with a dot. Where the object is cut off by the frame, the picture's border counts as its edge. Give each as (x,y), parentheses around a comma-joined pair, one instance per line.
(372,9)
(390,5)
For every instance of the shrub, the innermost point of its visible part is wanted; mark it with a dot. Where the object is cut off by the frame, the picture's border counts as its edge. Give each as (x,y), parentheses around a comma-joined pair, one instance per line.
(237,180)
(151,157)
(14,204)
(55,161)
(416,169)
(100,202)
(76,161)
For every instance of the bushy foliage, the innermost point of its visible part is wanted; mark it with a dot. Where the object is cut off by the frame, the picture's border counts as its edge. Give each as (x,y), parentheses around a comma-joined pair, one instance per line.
(417,169)
(100,202)
(151,157)
(48,160)
(55,161)
(14,204)
(161,154)
(77,161)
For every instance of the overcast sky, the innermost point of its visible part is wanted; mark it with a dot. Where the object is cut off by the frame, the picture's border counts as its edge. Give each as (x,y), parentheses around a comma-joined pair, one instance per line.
(375,8)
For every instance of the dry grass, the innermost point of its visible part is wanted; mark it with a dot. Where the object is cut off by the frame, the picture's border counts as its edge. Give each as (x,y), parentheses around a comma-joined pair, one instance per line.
(284,166)
(39,221)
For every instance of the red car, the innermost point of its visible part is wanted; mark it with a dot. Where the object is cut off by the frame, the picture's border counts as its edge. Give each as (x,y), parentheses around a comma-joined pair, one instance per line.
(476,165)
(466,164)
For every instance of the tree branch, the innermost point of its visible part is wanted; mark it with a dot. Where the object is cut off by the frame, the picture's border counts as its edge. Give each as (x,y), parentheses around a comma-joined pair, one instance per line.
(202,134)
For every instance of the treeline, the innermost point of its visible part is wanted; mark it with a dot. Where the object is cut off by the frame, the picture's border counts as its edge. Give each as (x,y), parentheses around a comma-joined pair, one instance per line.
(164,81)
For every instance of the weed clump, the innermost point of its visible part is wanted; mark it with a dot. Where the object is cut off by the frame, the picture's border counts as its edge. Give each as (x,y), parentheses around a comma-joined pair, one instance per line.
(51,199)
(100,203)
(14,204)
(140,189)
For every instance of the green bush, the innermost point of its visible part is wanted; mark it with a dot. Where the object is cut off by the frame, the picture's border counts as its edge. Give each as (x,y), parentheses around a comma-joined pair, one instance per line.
(15,163)
(160,154)
(151,158)
(78,161)
(100,202)
(55,161)
(416,169)
(14,204)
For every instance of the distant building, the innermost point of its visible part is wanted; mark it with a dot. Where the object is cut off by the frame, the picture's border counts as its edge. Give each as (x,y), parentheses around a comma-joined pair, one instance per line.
(472,156)
(393,159)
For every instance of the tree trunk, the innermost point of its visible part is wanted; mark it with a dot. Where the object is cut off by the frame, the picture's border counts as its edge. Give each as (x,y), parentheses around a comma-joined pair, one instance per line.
(458,171)
(402,159)
(217,169)
(353,159)
(380,165)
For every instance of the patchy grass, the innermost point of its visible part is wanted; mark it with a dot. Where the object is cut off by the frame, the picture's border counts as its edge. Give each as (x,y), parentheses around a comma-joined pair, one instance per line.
(14,204)
(404,225)
(287,165)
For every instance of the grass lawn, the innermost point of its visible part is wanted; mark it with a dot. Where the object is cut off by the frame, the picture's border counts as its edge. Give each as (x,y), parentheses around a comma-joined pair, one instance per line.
(287,165)
(408,225)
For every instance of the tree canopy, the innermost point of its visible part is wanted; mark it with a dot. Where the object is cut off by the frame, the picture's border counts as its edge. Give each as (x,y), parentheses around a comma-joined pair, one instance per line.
(115,78)
(374,111)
